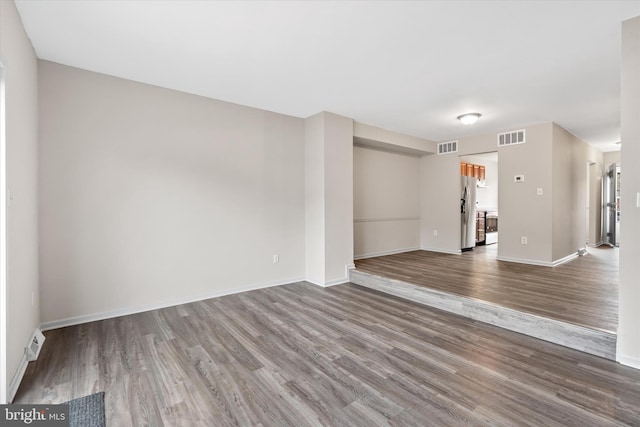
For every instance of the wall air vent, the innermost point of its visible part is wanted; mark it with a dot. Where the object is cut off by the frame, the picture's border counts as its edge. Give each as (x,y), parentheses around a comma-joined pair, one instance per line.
(35,345)
(448,147)
(510,138)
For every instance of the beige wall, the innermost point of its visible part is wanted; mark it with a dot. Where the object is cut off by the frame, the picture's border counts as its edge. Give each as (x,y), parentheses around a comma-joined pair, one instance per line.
(388,140)
(328,198)
(629,313)
(20,64)
(150,196)
(570,158)
(610,157)
(386,202)
(440,203)
(338,197)
(314,199)
(522,212)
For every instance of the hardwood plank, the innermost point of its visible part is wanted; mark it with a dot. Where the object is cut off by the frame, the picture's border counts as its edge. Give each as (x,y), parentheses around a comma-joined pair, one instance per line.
(342,356)
(583,291)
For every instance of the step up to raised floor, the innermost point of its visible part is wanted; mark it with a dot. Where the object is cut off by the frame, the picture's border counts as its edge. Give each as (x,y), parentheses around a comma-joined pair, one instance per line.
(592,341)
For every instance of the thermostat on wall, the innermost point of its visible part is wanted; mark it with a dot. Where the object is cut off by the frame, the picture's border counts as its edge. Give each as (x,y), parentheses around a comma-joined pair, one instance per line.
(518,178)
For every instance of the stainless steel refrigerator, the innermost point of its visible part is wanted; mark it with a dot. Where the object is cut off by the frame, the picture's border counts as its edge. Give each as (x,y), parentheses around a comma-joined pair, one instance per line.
(468,212)
(611,205)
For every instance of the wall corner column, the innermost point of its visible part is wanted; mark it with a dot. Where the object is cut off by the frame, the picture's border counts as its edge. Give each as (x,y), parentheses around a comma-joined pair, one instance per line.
(328,198)
(629,293)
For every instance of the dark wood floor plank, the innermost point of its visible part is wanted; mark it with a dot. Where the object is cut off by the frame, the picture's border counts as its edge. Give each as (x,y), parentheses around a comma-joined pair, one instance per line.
(343,356)
(583,291)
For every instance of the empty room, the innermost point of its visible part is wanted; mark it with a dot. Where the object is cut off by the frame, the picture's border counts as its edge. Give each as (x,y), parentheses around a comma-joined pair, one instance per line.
(319,213)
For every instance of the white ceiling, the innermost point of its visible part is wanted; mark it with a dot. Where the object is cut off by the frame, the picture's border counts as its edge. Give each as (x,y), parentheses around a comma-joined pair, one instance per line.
(410,67)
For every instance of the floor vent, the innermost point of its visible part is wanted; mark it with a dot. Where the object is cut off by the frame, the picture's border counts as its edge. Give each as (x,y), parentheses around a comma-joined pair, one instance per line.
(35,345)
(448,147)
(510,138)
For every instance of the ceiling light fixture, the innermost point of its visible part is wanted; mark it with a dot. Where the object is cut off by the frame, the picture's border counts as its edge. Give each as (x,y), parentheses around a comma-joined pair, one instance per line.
(469,118)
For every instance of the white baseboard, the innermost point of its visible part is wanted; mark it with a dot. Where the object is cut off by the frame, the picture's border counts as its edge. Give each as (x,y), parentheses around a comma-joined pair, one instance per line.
(77,320)
(383,253)
(17,378)
(541,263)
(629,361)
(443,251)
(526,261)
(566,259)
(335,282)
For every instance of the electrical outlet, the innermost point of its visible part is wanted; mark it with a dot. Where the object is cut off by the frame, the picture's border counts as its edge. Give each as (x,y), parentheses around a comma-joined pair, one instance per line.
(435,232)
(276,258)
(523,240)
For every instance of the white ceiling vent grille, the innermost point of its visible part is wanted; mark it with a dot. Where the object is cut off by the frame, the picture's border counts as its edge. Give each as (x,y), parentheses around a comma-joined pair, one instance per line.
(510,138)
(448,147)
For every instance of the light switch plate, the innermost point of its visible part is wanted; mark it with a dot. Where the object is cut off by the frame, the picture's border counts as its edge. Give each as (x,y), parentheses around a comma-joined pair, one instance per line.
(518,178)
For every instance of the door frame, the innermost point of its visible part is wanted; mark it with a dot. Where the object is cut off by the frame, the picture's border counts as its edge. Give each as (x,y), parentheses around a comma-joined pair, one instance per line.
(3,239)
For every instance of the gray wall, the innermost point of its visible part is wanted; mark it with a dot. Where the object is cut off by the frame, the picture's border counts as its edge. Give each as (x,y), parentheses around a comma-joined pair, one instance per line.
(386,202)
(20,64)
(150,196)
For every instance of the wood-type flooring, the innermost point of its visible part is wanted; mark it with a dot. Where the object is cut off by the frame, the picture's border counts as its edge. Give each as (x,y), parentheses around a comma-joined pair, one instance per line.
(302,355)
(583,291)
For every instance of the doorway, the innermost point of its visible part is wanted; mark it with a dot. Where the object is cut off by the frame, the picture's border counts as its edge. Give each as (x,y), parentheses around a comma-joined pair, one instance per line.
(486,202)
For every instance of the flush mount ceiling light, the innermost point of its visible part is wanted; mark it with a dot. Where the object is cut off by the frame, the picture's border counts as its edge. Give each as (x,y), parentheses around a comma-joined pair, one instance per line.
(469,118)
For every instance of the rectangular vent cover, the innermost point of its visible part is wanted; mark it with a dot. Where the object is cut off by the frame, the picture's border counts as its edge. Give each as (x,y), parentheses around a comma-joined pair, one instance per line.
(35,345)
(448,147)
(510,138)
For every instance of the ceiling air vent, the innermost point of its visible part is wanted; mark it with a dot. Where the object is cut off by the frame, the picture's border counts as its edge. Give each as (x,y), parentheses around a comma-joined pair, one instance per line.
(448,147)
(510,138)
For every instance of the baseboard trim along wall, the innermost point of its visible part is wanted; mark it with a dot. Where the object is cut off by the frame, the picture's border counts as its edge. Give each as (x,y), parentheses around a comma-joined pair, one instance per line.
(566,259)
(77,320)
(335,282)
(442,251)
(629,361)
(383,253)
(17,378)
(541,263)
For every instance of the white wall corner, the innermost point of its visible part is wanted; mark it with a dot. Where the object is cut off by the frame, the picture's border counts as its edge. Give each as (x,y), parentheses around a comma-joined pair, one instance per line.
(17,378)
(629,361)
(441,250)
(335,282)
